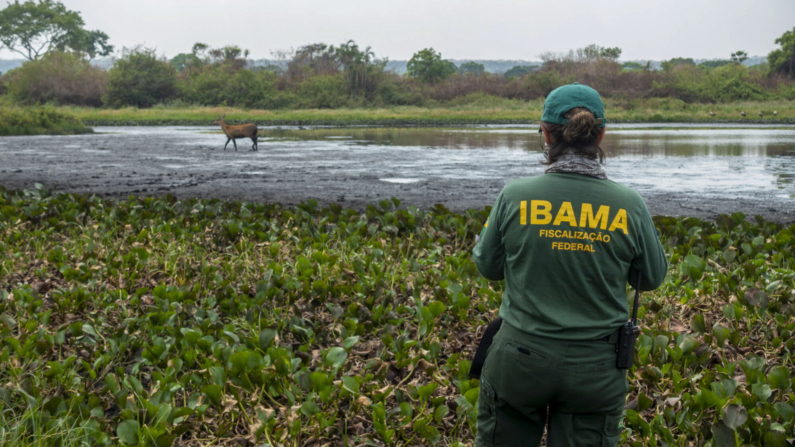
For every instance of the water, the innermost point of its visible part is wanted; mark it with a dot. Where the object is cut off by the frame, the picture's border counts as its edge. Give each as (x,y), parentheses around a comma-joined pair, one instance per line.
(679,169)
(721,161)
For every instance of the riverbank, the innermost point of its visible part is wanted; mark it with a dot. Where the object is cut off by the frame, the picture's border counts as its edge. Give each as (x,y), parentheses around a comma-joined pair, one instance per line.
(39,121)
(653,110)
(461,169)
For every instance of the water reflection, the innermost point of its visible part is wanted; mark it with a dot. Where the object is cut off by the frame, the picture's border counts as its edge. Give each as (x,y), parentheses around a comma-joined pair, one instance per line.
(761,142)
(707,162)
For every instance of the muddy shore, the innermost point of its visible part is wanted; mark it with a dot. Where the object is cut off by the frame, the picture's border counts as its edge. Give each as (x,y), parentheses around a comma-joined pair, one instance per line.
(190,164)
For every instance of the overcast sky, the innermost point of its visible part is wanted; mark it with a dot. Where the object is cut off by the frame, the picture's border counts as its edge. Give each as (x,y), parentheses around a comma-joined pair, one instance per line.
(459,29)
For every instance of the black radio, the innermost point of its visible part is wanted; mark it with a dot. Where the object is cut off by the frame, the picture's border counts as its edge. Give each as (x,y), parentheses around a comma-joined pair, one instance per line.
(628,335)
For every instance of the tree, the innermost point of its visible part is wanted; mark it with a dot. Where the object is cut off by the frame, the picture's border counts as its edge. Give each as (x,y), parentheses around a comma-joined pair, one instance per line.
(632,66)
(610,53)
(782,60)
(356,64)
(739,57)
(229,54)
(87,44)
(34,29)
(63,78)
(140,79)
(714,64)
(472,68)
(677,61)
(519,71)
(184,61)
(313,59)
(428,66)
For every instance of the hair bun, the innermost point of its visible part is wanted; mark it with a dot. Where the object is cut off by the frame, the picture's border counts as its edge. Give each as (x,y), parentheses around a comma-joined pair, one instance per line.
(579,126)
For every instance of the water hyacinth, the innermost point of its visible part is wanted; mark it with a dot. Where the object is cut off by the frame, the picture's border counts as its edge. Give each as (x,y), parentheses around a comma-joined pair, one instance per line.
(157,321)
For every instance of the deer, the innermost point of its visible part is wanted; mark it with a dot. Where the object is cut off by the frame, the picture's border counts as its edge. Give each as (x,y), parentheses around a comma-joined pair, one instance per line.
(241,131)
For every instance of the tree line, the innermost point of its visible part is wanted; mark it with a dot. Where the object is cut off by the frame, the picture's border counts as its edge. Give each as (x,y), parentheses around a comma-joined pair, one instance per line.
(59,50)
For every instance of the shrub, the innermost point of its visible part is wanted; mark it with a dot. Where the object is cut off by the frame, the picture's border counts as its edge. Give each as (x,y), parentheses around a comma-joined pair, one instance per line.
(398,91)
(223,85)
(140,79)
(323,92)
(37,121)
(58,77)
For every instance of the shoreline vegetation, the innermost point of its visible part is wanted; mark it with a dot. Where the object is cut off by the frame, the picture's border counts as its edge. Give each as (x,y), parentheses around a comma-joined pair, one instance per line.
(179,322)
(484,111)
(71,120)
(19,121)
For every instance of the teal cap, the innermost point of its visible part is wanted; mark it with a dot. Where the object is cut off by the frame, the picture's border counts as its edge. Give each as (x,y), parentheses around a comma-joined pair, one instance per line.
(568,97)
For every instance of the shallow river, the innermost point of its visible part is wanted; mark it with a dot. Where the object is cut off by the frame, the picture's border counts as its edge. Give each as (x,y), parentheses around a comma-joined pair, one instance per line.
(679,170)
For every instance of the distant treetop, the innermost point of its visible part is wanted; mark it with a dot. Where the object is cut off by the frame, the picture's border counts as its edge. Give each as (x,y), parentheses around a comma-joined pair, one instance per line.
(33,29)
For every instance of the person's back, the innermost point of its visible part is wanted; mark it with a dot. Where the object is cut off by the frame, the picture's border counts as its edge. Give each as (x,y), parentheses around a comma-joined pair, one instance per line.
(572,238)
(566,243)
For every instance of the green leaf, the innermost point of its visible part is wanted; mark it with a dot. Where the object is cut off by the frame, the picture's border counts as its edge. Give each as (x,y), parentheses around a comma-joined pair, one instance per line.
(688,345)
(265,338)
(406,410)
(309,408)
(350,384)
(720,333)
(785,411)
(472,396)
(112,383)
(239,361)
(8,320)
(697,324)
(779,378)
(213,393)
(773,286)
(426,391)
(734,416)
(707,399)
(762,390)
(350,342)
(644,402)
(723,436)
(218,373)
(440,412)
(336,356)
(776,438)
(127,432)
(88,329)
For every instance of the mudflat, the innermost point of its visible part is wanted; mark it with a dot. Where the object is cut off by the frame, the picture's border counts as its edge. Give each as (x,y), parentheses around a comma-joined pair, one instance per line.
(449,167)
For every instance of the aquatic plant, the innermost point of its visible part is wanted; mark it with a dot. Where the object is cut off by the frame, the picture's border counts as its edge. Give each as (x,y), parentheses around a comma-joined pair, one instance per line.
(157,321)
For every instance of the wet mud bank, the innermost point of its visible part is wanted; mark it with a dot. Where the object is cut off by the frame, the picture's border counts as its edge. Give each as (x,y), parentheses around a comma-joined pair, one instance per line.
(355,172)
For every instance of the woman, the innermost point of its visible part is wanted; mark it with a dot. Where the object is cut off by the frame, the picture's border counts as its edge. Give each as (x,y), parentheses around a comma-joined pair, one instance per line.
(566,243)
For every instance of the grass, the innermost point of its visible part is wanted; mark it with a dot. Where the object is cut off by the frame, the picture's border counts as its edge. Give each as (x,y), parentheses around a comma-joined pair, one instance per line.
(39,121)
(480,110)
(154,321)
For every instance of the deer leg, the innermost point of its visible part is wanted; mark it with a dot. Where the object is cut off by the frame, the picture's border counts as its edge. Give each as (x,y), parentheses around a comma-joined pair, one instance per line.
(254,146)
(235,143)
(227,143)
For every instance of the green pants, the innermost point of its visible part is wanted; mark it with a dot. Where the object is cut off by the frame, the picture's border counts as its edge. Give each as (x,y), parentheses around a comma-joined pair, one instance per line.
(572,387)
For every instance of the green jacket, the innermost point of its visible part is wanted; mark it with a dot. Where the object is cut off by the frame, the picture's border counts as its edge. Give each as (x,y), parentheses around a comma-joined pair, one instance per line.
(567,245)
